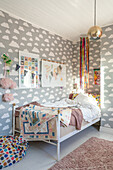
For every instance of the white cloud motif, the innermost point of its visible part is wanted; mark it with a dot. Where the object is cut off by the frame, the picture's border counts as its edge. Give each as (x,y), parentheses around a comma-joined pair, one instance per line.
(111,70)
(24,92)
(103,35)
(107,53)
(111,95)
(14,73)
(46,40)
(5,127)
(107,101)
(35,50)
(111,36)
(106,43)
(29,95)
(43,101)
(26,24)
(51,54)
(2,106)
(1,14)
(10,50)
(16,31)
(5,37)
(2,45)
(5,115)
(110,109)
(21,28)
(29,33)
(111,46)
(107,125)
(14,44)
(40,35)
(35,98)
(110,61)
(10,21)
(107,78)
(51,97)
(108,29)
(4,24)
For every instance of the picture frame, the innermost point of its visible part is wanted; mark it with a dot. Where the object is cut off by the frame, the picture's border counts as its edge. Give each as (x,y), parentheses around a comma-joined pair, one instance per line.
(53,74)
(29,70)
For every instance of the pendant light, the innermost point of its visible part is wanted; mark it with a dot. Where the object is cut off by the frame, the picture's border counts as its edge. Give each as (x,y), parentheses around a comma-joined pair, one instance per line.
(95,32)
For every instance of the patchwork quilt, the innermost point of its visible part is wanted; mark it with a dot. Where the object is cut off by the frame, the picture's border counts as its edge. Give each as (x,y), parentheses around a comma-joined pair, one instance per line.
(40,122)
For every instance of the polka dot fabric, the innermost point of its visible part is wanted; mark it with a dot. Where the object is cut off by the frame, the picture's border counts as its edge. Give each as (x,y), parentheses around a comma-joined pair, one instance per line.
(12,150)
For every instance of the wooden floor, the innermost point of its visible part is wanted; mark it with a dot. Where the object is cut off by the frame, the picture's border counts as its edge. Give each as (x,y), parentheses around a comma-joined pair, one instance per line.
(41,156)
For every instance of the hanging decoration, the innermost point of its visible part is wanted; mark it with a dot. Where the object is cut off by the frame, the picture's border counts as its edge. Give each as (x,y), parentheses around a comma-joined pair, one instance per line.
(84,62)
(5,82)
(95,32)
(7,62)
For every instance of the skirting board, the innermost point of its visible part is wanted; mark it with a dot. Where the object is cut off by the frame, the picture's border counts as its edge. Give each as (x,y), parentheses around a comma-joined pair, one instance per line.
(106,130)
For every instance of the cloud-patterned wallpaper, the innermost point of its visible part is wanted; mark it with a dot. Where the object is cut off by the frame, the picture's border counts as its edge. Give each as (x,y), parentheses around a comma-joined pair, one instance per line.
(15,35)
(107,76)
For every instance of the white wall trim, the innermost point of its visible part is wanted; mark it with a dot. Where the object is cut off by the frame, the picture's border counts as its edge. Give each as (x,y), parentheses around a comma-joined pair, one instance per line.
(106,130)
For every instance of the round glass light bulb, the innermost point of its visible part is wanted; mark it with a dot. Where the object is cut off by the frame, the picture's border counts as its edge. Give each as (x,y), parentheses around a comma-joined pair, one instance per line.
(95,32)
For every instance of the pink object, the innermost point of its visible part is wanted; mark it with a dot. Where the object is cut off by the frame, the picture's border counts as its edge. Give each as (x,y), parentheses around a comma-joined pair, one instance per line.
(7,97)
(7,83)
(94,154)
(76,118)
(13,85)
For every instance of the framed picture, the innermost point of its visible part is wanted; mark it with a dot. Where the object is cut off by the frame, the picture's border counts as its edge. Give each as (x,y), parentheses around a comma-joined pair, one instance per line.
(29,70)
(53,74)
(97,76)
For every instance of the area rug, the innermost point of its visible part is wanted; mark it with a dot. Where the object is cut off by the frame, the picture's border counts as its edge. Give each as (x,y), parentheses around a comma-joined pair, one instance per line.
(94,154)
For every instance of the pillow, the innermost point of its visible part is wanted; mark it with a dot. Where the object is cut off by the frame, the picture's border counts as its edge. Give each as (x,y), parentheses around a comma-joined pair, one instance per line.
(97,97)
(72,96)
(84,100)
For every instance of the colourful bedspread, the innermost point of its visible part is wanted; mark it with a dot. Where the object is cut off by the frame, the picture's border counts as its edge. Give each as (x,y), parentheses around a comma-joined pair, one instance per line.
(40,122)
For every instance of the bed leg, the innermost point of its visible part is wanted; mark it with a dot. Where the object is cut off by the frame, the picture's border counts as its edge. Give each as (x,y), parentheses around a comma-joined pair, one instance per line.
(58,136)
(13,119)
(58,151)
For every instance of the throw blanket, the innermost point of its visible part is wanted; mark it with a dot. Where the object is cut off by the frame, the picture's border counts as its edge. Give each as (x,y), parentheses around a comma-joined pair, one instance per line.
(76,118)
(40,121)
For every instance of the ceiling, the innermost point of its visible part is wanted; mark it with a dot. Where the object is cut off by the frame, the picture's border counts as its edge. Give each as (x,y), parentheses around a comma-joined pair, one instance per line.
(67,18)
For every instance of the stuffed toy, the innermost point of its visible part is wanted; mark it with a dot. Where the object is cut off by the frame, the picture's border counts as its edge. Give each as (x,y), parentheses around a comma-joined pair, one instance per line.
(7,97)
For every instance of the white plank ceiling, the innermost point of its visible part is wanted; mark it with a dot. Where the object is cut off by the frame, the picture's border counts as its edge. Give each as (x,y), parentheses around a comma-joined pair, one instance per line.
(67,18)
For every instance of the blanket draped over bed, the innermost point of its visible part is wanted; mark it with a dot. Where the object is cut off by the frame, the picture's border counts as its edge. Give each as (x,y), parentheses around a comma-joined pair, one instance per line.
(40,122)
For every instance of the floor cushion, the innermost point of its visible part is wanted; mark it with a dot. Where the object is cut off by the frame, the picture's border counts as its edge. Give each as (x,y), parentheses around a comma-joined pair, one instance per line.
(12,150)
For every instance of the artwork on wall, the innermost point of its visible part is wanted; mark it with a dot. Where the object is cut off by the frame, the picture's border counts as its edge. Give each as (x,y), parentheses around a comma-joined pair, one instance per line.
(97,76)
(53,74)
(29,70)
(84,62)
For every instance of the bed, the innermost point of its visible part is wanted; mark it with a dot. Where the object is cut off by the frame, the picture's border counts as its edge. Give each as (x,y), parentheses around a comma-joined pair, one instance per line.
(51,122)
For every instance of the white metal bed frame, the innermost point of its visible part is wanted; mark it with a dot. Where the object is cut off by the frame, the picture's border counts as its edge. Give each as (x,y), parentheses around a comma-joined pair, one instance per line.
(59,139)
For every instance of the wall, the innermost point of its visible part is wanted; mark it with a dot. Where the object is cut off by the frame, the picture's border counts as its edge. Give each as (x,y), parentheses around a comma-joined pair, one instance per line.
(15,35)
(94,62)
(107,76)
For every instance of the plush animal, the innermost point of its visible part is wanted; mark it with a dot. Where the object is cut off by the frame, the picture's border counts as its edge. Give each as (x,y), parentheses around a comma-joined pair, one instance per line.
(7,83)
(7,97)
